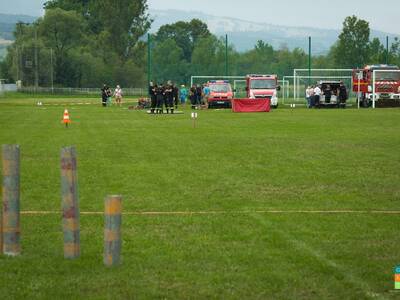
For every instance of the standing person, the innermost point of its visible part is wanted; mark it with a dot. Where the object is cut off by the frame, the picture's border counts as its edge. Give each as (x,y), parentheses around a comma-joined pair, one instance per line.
(193,96)
(328,94)
(104,95)
(169,97)
(317,95)
(176,95)
(153,97)
(160,99)
(118,95)
(183,94)
(342,95)
(312,96)
(199,94)
(109,95)
(308,96)
(206,92)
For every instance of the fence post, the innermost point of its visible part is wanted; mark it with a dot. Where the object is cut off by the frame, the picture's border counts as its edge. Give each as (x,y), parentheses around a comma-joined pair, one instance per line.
(112,230)
(70,205)
(11,194)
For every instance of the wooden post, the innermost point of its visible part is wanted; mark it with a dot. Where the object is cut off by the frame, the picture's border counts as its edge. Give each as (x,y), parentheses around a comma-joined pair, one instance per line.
(11,192)
(112,230)
(70,205)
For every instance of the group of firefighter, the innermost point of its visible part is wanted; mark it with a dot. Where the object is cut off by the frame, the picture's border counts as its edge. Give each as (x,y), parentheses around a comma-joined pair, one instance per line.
(163,95)
(168,95)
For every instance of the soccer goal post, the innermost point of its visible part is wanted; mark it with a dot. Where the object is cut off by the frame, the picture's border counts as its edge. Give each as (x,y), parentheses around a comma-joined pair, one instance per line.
(385,82)
(309,76)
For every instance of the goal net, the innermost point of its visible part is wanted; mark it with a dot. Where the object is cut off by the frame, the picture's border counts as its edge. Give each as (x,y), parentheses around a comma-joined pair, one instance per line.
(302,78)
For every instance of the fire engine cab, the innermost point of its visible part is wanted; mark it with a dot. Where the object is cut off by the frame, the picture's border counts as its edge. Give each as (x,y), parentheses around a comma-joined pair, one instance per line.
(263,87)
(387,85)
(220,94)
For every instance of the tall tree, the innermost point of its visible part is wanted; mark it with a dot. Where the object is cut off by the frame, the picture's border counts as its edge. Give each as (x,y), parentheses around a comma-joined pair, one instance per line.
(377,52)
(352,48)
(120,22)
(185,34)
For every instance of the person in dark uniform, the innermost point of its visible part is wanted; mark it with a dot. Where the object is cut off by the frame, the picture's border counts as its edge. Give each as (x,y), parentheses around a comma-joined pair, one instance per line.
(328,94)
(193,96)
(199,93)
(169,97)
(342,95)
(104,95)
(153,97)
(176,96)
(160,99)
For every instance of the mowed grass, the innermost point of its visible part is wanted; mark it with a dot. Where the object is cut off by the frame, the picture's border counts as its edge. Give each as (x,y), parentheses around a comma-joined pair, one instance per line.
(242,179)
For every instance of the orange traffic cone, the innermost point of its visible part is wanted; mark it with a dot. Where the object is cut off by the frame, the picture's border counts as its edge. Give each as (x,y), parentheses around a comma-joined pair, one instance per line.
(66,119)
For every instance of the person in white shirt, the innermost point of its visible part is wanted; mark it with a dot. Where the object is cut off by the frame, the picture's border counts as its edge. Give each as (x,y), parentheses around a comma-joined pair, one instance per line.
(317,94)
(118,95)
(309,94)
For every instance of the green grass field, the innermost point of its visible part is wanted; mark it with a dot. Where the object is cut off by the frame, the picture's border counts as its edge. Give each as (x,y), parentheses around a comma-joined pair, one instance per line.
(285,205)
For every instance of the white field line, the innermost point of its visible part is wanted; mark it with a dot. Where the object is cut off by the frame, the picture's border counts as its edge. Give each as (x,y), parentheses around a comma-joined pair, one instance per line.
(302,246)
(222,212)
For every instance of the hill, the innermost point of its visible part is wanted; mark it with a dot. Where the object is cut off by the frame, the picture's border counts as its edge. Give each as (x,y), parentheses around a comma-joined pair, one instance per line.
(244,34)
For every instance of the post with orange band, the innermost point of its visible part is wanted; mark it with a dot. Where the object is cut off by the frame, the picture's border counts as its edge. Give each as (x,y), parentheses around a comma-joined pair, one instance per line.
(70,205)
(112,230)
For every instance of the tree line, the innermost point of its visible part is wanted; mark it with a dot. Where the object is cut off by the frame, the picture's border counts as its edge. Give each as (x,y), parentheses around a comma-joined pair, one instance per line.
(90,42)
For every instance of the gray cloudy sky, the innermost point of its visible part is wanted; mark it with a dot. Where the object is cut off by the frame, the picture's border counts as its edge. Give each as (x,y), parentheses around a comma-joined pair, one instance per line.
(382,14)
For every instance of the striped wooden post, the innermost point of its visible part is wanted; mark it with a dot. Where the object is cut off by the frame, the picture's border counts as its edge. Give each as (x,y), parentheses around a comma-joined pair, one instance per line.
(112,230)
(70,205)
(11,209)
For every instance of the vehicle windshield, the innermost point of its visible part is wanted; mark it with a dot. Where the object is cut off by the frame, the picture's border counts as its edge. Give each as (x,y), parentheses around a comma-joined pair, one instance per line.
(262,84)
(220,88)
(387,76)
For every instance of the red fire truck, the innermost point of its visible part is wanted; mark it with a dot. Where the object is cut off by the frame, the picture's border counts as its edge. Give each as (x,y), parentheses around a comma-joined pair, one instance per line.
(387,85)
(262,87)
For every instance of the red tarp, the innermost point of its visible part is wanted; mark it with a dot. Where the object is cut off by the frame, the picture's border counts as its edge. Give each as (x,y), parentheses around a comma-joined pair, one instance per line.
(251,105)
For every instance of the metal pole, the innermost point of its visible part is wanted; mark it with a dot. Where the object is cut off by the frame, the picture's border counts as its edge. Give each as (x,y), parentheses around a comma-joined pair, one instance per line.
(387,49)
(11,208)
(148,59)
(309,60)
(36,61)
(359,88)
(112,230)
(17,62)
(52,70)
(373,88)
(294,84)
(226,55)
(70,205)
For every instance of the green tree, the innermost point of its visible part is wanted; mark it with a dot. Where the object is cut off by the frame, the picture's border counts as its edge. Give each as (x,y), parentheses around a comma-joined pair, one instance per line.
(62,30)
(352,48)
(170,64)
(377,52)
(185,34)
(120,22)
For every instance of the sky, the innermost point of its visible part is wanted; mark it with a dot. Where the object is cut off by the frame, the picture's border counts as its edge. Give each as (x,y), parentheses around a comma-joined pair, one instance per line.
(383,15)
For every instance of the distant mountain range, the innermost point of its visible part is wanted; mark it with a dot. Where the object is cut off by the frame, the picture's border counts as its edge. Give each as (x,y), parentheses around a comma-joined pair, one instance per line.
(242,34)
(7,24)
